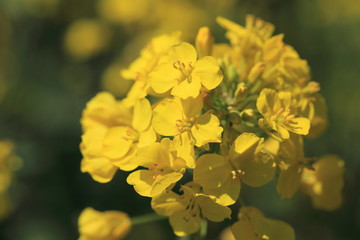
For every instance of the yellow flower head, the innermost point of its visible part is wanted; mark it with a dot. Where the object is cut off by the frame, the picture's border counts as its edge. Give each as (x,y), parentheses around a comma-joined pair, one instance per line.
(109,225)
(253,225)
(150,56)
(86,37)
(221,176)
(186,211)
(246,42)
(178,117)
(324,182)
(279,115)
(104,110)
(184,74)
(153,54)
(164,168)
(113,135)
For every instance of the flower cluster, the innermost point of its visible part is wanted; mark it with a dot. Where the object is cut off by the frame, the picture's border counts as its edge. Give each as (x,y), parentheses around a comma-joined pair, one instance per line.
(221,115)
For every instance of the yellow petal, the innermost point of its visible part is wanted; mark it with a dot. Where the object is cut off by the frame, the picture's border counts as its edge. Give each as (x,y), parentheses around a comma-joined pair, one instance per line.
(127,162)
(211,210)
(230,25)
(120,223)
(147,137)
(167,203)
(93,224)
(142,115)
(142,181)
(267,102)
(211,170)
(244,148)
(289,181)
(185,149)
(273,229)
(99,168)
(184,52)
(324,184)
(156,153)
(92,141)
(162,182)
(185,223)
(164,77)
(103,225)
(243,230)
(116,144)
(137,91)
(187,88)
(206,129)
(192,106)
(103,110)
(300,126)
(259,171)
(166,114)
(320,121)
(227,194)
(207,70)
(292,150)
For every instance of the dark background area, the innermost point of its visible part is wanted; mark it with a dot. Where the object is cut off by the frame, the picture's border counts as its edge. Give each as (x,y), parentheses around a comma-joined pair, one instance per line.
(44,88)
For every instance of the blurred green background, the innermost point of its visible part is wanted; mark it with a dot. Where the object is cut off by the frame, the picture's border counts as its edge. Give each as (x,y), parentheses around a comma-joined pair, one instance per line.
(49,70)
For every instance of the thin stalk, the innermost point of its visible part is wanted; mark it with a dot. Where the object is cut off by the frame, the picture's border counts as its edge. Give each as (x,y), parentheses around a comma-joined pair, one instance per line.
(151,217)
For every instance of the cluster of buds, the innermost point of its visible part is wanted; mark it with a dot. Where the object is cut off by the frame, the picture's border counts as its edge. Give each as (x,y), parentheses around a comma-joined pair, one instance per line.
(219,115)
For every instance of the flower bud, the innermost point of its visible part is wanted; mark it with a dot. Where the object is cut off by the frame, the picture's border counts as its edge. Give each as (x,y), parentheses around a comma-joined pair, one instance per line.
(204,42)
(241,91)
(256,71)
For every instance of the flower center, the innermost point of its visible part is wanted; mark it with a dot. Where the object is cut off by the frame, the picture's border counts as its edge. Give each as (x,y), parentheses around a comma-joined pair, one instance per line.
(184,69)
(185,125)
(132,134)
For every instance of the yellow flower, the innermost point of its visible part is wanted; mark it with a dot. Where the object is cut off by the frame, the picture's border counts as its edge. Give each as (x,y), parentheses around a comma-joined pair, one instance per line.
(324,182)
(105,111)
(291,162)
(183,74)
(113,134)
(100,168)
(253,225)
(124,11)
(178,117)
(280,115)
(246,42)
(186,211)
(220,176)
(120,140)
(284,69)
(150,56)
(164,168)
(109,225)
(317,110)
(85,38)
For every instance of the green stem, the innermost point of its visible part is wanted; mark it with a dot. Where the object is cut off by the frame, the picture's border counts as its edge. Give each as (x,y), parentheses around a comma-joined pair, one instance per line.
(201,234)
(203,229)
(151,217)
